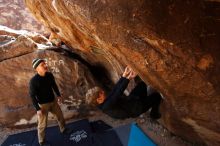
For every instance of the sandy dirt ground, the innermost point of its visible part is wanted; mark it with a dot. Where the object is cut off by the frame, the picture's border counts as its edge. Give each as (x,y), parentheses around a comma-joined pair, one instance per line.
(160,135)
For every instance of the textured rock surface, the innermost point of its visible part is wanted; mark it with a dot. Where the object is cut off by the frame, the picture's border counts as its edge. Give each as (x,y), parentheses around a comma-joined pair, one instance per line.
(14,14)
(17,50)
(173,45)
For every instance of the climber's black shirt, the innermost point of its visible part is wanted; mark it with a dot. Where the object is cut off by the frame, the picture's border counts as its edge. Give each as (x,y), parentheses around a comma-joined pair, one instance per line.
(119,106)
(41,89)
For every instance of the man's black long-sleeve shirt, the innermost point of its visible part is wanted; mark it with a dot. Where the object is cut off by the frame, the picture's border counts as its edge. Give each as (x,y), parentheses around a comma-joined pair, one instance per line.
(119,106)
(115,104)
(41,89)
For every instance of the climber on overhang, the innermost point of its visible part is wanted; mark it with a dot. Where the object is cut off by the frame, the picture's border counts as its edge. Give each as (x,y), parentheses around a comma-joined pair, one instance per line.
(119,106)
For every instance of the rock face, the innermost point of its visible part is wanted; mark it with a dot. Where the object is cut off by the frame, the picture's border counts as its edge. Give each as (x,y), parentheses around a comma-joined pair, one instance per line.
(173,45)
(14,14)
(17,50)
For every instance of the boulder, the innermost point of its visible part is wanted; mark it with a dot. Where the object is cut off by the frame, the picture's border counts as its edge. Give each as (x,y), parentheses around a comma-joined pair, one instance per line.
(15,14)
(173,45)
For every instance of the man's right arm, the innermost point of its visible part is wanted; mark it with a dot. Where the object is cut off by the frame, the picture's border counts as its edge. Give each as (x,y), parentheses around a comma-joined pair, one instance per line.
(117,91)
(33,94)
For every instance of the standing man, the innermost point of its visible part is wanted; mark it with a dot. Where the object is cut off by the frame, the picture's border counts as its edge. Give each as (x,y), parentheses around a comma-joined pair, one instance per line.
(41,89)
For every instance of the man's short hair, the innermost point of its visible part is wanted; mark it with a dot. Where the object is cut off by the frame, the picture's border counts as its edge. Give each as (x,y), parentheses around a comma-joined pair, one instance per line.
(36,62)
(91,96)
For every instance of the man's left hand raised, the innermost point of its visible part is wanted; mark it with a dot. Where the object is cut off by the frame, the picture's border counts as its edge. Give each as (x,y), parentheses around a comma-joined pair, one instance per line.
(59,100)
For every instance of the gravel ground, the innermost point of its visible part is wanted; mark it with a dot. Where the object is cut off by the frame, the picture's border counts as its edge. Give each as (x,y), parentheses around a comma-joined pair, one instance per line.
(152,128)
